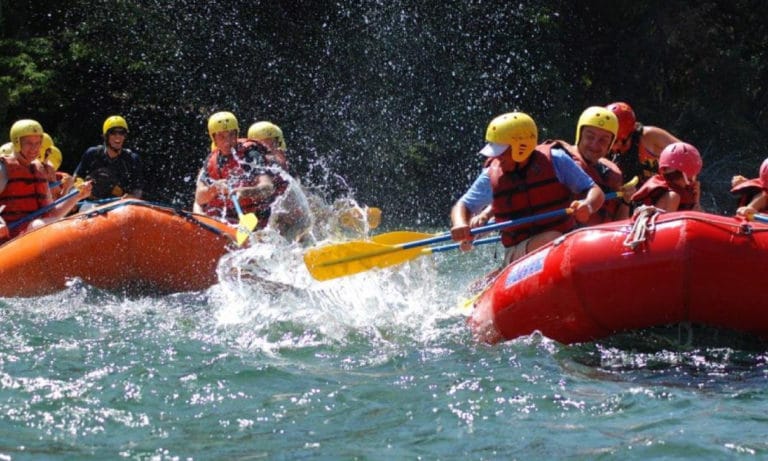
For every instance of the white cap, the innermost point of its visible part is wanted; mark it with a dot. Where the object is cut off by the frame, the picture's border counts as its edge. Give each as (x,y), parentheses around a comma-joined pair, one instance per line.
(493,149)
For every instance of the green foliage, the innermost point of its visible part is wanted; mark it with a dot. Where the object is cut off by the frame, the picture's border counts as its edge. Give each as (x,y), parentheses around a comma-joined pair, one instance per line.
(27,76)
(22,64)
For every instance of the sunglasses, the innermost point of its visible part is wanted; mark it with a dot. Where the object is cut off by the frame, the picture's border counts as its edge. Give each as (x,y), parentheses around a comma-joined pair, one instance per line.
(677,175)
(673,175)
(119,132)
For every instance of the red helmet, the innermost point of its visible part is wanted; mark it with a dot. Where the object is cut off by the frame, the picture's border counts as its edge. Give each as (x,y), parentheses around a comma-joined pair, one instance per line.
(764,173)
(626,117)
(681,156)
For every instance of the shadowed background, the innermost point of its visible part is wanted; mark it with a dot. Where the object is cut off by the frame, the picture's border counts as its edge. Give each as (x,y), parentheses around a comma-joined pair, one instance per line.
(385,100)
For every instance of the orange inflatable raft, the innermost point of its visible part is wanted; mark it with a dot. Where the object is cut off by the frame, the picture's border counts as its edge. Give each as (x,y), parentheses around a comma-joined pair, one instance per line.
(129,245)
(656,270)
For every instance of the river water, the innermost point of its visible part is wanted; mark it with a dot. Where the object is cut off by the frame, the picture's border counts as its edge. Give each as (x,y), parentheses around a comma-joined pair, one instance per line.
(270,364)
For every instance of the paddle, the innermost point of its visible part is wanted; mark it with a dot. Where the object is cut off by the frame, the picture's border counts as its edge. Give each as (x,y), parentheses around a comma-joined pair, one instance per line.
(397,237)
(339,260)
(41,211)
(384,250)
(247,222)
(352,218)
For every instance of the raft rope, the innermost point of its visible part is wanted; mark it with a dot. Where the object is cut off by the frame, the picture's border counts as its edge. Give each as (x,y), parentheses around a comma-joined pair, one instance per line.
(190,217)
(643,225)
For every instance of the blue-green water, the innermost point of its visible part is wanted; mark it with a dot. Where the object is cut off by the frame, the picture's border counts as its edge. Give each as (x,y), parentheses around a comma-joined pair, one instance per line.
(375,366)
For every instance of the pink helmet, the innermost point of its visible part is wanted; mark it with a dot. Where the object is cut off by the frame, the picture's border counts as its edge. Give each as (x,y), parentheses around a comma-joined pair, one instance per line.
(683,157)
(626,117)
(764,173)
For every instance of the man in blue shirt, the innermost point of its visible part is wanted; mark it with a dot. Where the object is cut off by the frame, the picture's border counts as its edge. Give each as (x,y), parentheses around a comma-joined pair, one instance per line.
(520,181)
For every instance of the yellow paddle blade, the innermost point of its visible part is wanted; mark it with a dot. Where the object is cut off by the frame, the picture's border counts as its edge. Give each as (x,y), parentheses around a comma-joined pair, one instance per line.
(374,217)
(632,182)
(479,287)
(398,237)
(340,260)
(245,227)
(465,306)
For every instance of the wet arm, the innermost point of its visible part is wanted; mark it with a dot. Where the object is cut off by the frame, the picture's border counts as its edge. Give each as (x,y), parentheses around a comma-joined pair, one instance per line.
(756,205)
(656,139)
(262,190)
(206,189)
(669,201)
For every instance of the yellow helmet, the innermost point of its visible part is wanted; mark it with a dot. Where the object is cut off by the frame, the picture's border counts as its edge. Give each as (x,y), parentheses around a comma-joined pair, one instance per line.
(598,117)
(516,131)
(47,143)
(112,122)
(260,131)
(6,149)
(53,156)
(222,121)
(24,127)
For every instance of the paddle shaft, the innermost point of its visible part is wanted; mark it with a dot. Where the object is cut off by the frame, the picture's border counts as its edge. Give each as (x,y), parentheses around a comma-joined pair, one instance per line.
(453,246)
(496,238)
(236,202)
(497,226)
(247,223)
(348,258)
(41,211)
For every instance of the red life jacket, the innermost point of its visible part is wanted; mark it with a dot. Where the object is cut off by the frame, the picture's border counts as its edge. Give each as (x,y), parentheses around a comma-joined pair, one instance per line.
(748,189)
(25,193)
(242,169)
(650,193)
(529,190)
(606,175)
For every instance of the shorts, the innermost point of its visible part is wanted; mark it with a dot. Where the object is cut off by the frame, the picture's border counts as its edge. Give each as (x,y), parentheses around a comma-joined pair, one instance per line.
(516,251)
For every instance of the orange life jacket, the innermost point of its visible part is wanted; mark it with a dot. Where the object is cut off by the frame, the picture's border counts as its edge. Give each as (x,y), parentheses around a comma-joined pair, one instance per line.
(25,193)
(526,191)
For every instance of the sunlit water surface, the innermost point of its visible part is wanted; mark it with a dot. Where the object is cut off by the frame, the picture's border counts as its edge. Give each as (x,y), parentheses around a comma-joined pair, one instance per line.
(269,364)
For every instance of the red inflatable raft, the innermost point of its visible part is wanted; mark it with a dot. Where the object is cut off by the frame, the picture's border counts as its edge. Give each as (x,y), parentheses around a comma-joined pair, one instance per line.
(130,245)
(656,270)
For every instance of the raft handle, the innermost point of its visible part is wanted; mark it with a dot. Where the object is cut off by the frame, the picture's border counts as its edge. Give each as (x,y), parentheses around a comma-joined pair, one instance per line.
(745,229)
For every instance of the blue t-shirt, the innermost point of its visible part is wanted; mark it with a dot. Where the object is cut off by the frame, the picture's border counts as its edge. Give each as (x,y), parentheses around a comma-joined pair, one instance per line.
(568,172)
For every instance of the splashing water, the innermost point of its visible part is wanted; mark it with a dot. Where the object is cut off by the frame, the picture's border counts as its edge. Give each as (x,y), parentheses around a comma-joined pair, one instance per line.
(268,284)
